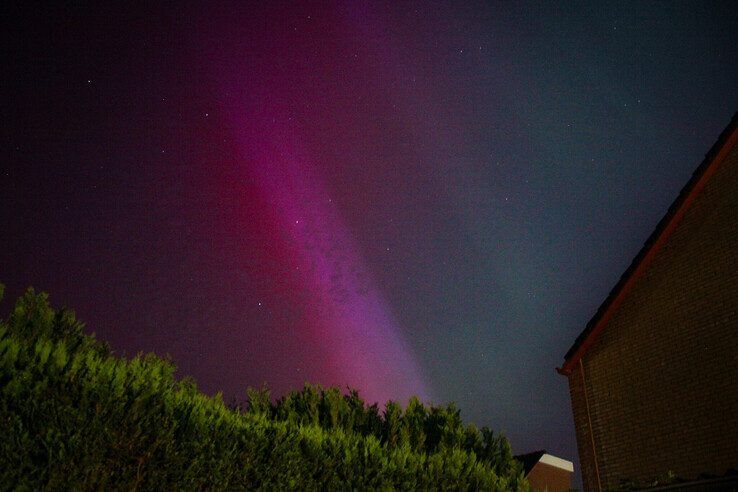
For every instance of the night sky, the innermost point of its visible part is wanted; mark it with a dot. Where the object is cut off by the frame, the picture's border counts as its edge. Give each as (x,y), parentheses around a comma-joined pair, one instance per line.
(425,199)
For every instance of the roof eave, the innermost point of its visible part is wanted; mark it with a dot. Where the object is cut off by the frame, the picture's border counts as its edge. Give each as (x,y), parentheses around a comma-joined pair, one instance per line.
(676,211)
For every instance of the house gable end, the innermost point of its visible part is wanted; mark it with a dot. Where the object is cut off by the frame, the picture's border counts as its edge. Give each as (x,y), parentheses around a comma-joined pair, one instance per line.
(716,156)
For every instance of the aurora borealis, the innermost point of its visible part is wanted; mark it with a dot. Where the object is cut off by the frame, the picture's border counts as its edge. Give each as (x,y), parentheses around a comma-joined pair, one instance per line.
(413,198)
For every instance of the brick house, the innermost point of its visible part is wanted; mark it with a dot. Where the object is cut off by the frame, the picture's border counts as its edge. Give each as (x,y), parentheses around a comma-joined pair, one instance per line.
(653,378)
(546,472)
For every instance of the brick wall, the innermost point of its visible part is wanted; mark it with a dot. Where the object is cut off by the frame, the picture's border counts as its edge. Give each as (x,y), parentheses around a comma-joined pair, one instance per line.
(661,379)
(581,424)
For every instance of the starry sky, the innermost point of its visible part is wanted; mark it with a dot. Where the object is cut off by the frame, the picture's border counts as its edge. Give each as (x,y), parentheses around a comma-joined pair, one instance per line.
(407,198)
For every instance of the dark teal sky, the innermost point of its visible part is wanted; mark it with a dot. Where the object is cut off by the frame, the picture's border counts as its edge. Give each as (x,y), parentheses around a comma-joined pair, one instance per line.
(430,198)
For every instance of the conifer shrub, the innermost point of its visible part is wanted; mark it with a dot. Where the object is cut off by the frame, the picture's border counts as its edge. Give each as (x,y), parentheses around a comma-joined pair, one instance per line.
(74,416)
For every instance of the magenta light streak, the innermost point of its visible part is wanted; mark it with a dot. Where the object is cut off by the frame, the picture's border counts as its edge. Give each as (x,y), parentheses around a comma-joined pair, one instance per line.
(347,318)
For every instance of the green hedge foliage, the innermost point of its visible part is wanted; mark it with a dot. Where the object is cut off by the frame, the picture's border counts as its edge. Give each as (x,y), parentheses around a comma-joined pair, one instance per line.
(73,416)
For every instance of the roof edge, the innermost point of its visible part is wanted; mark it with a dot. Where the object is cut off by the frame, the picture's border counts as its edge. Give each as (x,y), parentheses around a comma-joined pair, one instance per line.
(555,461)
(724,144)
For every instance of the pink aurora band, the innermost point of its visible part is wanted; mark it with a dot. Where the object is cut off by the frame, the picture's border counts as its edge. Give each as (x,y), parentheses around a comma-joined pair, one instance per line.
(347,319)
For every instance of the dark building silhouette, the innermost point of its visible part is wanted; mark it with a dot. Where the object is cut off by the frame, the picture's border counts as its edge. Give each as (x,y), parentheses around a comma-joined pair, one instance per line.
(653,378)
